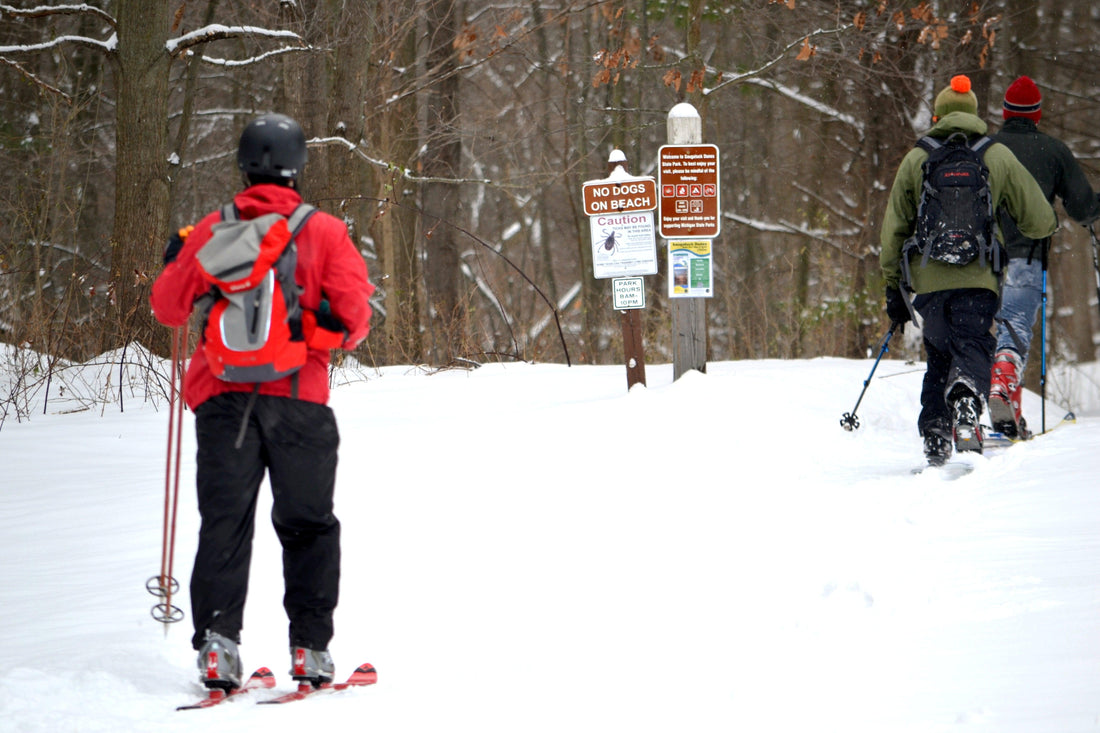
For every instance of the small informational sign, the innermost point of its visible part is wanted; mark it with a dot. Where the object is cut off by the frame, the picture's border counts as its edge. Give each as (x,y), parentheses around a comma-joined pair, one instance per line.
(623,245)
(691,274)
(628,293)
(688,183)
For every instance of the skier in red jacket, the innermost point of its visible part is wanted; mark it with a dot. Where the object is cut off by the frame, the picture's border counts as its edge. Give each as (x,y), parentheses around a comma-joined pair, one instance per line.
(286,426)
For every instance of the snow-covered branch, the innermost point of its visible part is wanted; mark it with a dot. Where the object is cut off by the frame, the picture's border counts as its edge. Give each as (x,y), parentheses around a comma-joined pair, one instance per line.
(825,236)
(405,173)
(109,46)
(44,10)
(734,78)
(217,32)
(755,76)
(230,63)
(808,101)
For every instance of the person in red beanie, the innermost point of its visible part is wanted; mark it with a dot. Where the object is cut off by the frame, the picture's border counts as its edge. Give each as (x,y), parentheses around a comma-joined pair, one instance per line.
(1058,173)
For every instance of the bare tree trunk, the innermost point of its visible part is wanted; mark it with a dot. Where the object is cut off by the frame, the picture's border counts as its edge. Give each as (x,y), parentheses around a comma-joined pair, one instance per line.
(141,174)
(396,135)
(440,200)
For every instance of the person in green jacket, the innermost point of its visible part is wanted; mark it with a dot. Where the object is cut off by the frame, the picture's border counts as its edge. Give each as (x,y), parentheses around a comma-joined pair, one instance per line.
(957,302)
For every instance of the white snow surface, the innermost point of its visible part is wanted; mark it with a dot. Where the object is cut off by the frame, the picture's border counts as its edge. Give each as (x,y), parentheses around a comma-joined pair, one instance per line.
(533,547)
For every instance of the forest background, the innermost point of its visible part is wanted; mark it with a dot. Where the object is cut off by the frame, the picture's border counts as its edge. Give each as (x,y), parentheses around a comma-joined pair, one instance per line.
(454,139)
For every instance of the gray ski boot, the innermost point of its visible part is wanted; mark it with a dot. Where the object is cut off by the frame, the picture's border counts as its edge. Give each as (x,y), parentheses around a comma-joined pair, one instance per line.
(219,662)
(310,665)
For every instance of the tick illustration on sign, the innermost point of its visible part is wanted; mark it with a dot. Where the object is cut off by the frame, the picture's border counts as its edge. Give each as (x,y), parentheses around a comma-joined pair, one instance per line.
(609,244)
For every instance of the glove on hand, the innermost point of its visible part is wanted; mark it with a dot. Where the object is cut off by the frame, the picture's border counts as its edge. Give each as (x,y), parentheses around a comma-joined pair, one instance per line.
(175,244)
(322,329)
(896,308)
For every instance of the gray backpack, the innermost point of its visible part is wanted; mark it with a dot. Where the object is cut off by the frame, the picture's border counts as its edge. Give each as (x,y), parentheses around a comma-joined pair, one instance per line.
(252,328)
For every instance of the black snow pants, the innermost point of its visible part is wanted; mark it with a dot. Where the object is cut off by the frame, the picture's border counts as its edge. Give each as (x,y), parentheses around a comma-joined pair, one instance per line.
(959,347)
(296,442)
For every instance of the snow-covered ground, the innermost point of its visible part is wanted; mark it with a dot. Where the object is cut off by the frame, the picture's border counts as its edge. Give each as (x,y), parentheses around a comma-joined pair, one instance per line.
(534,548)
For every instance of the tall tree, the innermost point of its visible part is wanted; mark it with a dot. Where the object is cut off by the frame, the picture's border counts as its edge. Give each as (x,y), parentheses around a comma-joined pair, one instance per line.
(440,201)
(395,132)
(141,170)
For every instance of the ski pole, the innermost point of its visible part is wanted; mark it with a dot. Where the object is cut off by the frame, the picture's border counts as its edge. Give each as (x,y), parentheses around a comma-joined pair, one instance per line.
(1095,261)
(164,585)
(1043,333)
(849,421)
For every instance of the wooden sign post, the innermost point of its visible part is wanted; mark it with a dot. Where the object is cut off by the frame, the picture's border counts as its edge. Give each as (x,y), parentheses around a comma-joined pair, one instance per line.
(690,210)
(624,247)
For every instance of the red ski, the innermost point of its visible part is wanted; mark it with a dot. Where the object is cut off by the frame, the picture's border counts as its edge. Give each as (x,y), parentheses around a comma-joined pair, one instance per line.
(262,678)
(363,675)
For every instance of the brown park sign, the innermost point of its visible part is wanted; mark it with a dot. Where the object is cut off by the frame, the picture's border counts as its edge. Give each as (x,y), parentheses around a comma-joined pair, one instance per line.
(688,183)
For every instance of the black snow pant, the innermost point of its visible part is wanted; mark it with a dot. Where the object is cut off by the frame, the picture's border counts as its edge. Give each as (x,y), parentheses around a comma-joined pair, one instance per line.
(959,347)
(296,442)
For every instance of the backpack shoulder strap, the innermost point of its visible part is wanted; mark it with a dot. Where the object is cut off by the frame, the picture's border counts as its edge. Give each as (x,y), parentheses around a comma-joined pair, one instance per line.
(229,212)
(299,217)
(981,144)
(929,143)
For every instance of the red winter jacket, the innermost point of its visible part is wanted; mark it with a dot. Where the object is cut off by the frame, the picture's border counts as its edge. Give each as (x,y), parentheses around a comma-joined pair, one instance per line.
(327,262)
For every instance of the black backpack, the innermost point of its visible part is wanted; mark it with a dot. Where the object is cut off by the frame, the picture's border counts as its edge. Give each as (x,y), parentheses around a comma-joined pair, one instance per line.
(955,214)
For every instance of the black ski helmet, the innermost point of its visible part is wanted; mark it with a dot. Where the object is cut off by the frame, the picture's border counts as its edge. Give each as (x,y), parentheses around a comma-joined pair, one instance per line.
(272,145)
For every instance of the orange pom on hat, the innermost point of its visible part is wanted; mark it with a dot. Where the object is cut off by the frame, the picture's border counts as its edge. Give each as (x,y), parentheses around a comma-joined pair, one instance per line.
(957,97)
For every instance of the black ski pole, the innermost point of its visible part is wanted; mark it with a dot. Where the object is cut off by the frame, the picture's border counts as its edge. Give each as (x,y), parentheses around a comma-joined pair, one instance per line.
(1095,261)
(849,421)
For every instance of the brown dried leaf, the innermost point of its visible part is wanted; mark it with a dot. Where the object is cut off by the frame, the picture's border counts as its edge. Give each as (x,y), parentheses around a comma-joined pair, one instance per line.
(806,51)
(696,81)
(923,12)
(655,50)
(860,21)
(672,78)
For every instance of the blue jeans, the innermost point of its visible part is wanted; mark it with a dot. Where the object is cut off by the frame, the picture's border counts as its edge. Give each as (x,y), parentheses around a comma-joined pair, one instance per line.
(1020,300)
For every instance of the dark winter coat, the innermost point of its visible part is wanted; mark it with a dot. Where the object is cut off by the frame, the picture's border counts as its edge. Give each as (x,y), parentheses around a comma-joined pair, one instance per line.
(1055,170)
(328,263)
(1010,185)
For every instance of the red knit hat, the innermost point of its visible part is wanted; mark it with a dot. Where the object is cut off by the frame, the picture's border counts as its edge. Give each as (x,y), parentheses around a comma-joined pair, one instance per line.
(1022,99)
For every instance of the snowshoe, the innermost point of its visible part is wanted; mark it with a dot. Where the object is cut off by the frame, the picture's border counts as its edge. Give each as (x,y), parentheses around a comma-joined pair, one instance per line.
(937,449)
(966,429)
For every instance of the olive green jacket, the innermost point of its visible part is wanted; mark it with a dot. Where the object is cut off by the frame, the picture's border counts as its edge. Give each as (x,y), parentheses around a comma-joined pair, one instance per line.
(1010,185)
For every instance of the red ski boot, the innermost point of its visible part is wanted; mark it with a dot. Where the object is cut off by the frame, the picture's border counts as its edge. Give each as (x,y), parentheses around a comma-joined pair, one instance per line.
(1006,394)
